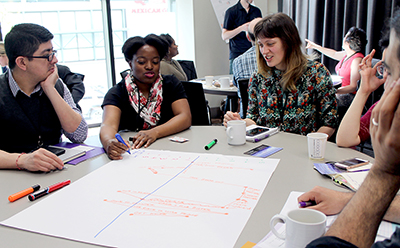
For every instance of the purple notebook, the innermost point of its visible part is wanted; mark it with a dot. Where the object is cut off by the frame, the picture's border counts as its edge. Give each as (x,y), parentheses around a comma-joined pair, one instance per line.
(89,154)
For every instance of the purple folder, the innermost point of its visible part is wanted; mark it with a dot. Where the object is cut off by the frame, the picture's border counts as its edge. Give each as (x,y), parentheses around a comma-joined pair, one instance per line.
(89,154)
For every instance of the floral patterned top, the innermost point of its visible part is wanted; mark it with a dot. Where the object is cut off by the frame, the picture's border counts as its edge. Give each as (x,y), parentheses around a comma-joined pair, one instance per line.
(304,110)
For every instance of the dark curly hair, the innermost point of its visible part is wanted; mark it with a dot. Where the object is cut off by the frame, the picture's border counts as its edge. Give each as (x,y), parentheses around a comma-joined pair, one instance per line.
(133,44)
(357,39)
(168,38)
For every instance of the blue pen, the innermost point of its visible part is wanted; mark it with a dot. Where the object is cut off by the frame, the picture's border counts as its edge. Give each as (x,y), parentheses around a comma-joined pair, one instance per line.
(119,138)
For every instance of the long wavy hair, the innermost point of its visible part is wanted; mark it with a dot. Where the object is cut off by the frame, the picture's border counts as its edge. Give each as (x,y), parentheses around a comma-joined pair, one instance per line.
(281,26)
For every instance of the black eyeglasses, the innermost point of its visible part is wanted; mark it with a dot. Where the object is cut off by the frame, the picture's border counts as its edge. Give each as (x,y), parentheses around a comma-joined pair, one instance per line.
(49,57)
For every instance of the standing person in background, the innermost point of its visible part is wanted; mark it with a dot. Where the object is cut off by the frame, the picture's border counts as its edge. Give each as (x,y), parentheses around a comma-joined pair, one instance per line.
(288,91)
(245,65)
(353,44)
(170,66)
(236,22)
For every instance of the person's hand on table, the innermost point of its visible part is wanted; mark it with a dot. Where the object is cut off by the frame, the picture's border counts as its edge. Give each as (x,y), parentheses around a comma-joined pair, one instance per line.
(369,81)
(115,149)
(144,138)
(327,201)
(385,135)
(229,116)
(40,160)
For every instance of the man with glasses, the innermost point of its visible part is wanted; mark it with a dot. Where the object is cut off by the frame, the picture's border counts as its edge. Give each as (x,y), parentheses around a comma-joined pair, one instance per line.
(36,107)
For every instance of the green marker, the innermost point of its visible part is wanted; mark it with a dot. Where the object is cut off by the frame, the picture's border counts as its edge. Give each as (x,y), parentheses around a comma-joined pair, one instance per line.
(211,144)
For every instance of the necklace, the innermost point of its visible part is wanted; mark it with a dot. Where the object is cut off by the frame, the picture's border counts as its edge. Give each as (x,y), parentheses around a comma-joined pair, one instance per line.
(347,58)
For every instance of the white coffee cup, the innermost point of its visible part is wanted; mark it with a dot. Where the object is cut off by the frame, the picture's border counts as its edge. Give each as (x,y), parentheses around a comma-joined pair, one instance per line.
(236,131)
(316,145)
(224,82)
(302,227)
(209,80)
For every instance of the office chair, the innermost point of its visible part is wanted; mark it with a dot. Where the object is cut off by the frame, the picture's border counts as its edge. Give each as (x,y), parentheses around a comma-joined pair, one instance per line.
(124,73)
(197,102)
(188,68)
(243,87)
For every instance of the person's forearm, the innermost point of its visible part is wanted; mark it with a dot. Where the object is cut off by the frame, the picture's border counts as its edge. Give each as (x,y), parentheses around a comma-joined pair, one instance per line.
(328,130)
(106,133)
(176,124)
(228,34)
(349,128)
(69,119)
(393,212)
(330,52)
(346,89)
(8,160)
(366,208)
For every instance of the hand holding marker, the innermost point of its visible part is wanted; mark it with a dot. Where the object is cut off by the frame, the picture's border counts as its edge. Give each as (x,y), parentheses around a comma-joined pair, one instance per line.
(121,140)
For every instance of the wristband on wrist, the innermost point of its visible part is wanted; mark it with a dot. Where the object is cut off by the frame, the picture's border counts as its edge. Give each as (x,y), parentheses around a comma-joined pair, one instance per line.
(16,161)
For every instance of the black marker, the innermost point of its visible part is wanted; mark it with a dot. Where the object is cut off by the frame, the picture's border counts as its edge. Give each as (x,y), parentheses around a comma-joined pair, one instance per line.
(211,144)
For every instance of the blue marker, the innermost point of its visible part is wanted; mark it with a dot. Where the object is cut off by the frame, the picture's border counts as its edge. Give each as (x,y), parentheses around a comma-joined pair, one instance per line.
(119,138)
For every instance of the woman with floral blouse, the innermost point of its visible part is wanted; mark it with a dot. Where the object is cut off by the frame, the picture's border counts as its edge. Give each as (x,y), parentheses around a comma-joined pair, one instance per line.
(288,90)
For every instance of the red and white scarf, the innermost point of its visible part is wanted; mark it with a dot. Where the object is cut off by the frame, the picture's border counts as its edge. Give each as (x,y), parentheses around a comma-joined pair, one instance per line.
(150,109)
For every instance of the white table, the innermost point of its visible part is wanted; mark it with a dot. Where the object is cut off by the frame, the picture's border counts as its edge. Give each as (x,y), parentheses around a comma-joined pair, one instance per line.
(294,173)
(230,92)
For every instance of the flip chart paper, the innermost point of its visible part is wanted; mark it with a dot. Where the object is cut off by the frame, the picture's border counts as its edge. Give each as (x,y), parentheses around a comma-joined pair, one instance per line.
(154,199)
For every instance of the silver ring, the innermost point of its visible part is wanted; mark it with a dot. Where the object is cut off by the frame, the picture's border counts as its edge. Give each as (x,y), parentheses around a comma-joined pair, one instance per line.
(374,122)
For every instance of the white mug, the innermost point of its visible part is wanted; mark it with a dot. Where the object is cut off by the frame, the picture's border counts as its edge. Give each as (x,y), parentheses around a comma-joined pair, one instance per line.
(224,82)
(209,80)
(236,131)
(316,145)
(302,227)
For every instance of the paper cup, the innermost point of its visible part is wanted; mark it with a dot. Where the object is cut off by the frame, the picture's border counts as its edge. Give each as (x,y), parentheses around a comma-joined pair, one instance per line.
(316,145)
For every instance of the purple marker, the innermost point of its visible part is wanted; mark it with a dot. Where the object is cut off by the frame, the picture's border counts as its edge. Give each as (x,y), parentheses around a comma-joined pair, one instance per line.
(304,204)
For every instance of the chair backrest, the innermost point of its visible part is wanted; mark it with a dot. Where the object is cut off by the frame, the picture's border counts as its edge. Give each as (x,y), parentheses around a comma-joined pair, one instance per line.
(197,102)
(243,87)
(124,73)
(188,68)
